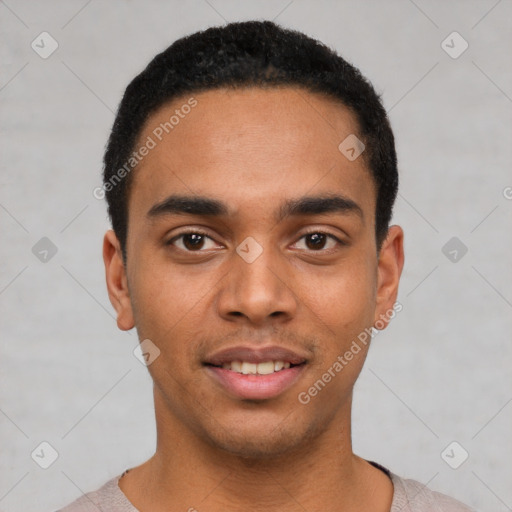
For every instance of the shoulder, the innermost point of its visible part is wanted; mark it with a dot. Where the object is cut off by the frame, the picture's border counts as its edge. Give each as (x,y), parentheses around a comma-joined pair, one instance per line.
(108,497)
(413,496)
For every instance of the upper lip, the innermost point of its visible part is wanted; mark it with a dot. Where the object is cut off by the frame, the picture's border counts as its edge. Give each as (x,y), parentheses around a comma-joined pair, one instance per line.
(254,355)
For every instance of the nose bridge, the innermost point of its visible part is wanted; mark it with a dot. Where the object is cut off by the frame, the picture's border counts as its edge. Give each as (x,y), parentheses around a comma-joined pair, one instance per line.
(256,283)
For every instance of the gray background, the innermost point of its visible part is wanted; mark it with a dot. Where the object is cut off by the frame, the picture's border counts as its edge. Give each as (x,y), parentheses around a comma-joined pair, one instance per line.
(440,373)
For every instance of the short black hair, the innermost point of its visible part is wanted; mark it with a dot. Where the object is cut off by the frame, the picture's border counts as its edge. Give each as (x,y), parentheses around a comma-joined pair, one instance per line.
(248,54)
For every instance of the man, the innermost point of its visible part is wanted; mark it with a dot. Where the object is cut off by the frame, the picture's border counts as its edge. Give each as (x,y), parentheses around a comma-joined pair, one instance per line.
(250,177)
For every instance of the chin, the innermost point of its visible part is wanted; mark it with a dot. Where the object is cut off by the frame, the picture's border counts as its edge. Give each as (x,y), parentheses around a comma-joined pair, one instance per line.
(264,441)
(256,447)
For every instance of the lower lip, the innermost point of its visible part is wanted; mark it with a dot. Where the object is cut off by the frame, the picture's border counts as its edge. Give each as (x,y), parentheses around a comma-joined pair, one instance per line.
(256,387)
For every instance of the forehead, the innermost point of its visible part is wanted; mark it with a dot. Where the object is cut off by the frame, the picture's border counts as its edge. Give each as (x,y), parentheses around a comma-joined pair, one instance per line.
(249,145)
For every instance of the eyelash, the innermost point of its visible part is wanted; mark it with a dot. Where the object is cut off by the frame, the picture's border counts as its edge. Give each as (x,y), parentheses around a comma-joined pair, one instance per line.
(202,233)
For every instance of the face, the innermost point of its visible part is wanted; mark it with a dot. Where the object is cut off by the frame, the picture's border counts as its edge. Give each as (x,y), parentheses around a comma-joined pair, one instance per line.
(251,247)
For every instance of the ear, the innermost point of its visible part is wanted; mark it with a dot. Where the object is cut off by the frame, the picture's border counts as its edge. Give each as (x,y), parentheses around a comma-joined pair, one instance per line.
(391,262)
(117,282)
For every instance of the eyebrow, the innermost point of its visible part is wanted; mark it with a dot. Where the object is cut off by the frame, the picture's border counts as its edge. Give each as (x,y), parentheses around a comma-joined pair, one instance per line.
(208,207)
(188,205)
(316,205)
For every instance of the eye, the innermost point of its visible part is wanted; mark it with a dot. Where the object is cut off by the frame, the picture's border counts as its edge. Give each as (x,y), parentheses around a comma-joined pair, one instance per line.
(192,241)
(320,241)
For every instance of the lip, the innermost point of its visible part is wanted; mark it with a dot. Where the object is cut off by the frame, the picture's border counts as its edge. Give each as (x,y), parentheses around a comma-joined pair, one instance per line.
(255,387)
(255,355)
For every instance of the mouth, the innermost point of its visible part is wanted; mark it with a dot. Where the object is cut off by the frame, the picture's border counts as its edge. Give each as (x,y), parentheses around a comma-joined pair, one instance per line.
(247,368)
(249,374)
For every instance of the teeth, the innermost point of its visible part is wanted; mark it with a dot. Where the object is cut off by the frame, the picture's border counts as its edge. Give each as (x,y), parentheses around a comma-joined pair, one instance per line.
(265,368)
(236,366)
(249,368)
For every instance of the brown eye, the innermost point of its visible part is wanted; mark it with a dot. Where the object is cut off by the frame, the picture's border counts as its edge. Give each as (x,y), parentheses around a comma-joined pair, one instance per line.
(316,241)
(192,241)
(319,241)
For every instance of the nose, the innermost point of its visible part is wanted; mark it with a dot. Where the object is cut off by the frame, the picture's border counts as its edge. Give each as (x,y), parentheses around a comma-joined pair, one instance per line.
(258,291)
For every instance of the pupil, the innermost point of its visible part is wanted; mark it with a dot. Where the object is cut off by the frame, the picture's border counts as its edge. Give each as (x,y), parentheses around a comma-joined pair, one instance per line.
(193,241)
(318,240)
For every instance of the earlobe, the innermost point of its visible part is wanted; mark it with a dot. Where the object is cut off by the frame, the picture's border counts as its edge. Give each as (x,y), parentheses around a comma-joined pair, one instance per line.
(117,282)
(390,265)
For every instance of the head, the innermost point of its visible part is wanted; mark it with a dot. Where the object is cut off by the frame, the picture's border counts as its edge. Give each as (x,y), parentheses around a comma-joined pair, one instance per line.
(239,221)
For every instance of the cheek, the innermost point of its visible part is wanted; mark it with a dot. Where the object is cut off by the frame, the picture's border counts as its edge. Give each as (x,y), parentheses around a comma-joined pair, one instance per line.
(342,297)
(162,291)
(342,312)
(170,307)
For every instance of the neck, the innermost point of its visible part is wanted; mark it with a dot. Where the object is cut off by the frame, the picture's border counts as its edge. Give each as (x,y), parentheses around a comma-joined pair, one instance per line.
(189,473)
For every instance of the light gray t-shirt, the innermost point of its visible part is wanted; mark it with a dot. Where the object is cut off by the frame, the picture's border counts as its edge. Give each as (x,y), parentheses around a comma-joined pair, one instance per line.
(408,496)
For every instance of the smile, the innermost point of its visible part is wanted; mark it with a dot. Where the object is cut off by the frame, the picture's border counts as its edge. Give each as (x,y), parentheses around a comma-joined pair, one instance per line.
(255,381)
(264,368)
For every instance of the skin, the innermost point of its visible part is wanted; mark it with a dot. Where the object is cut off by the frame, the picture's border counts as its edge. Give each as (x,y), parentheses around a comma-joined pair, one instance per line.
(253,149)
